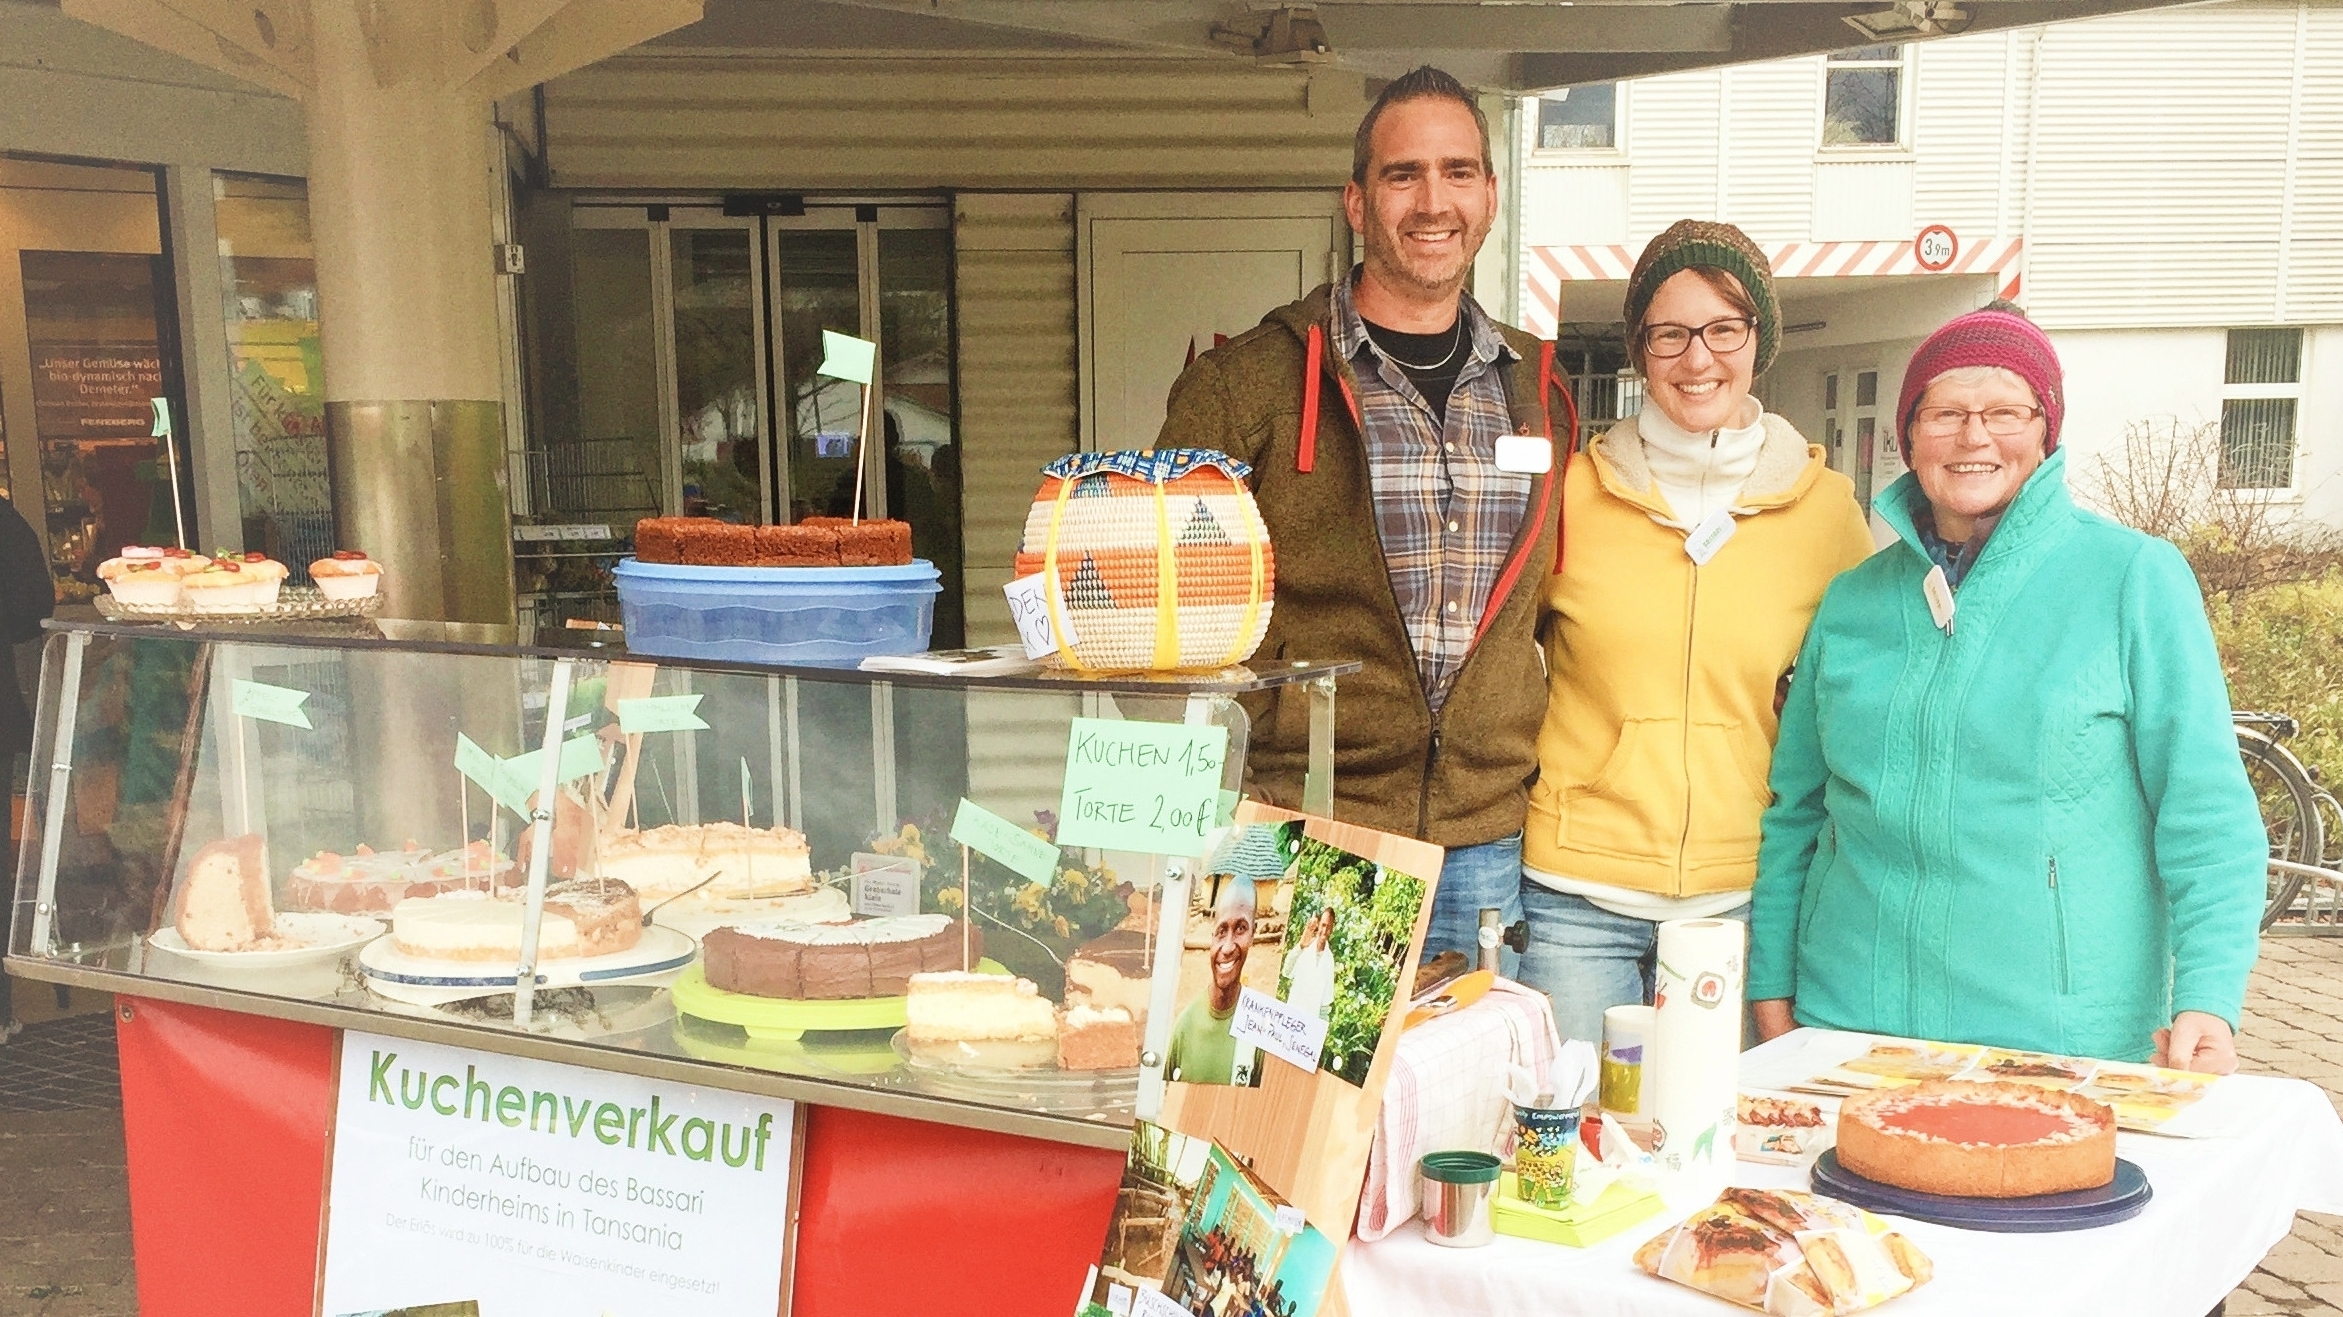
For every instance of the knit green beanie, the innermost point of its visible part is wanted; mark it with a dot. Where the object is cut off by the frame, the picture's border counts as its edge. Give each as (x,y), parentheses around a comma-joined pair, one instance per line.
(1688,243)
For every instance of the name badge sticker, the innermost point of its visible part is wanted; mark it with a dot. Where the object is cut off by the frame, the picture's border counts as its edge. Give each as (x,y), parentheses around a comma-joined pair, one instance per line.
(1709,536)
(1938,591)
(1525,454)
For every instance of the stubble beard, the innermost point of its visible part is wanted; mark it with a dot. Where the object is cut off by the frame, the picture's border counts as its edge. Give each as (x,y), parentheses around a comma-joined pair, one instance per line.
(1386,256)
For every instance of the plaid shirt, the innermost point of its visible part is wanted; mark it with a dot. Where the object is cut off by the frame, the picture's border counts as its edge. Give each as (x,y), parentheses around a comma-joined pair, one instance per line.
(1447,515)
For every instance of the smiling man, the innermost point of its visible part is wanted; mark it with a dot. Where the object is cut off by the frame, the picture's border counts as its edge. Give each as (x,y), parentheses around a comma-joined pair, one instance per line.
(1202,1049)
(1403,460)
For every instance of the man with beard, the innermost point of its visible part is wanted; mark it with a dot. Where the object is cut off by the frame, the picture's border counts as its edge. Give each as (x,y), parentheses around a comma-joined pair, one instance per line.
(1202,1052)
(1403,460)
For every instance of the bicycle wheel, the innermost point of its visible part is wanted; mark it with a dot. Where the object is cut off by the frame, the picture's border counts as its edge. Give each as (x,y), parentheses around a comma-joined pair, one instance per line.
(2290,813)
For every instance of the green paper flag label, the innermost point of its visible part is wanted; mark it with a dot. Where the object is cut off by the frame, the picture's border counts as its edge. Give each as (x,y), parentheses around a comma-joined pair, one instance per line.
(1148,787)
(1227,813)
(581,756)
(846,357)
(661,713)
(995,838)
(272,704)
(487,772)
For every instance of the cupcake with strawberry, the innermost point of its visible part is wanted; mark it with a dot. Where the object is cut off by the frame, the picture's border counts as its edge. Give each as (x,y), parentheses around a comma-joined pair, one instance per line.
(349,574)
(149,577)
(235,582)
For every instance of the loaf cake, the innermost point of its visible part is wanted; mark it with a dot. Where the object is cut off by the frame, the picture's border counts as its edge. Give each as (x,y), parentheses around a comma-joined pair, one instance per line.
(582,917)
(980,1019)
(1991,1140)
(224,899)
(809,542)
(834,962)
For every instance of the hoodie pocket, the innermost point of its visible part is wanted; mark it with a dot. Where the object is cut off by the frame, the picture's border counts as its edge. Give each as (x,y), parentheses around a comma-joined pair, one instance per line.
(1631,803)
(1727,779)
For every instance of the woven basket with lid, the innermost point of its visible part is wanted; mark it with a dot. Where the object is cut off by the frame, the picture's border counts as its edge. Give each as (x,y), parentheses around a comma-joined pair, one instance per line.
(1156,559)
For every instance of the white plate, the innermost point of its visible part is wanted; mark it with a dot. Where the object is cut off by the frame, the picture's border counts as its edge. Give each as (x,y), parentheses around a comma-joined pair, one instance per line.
(323,937)
(394,973)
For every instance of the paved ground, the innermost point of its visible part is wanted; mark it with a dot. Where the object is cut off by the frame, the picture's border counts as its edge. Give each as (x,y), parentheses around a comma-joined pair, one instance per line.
(65,1224)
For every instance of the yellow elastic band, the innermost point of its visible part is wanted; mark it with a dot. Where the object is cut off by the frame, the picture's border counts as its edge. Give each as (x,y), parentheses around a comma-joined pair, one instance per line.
(1167,586)
(1256,534)
(1049,577)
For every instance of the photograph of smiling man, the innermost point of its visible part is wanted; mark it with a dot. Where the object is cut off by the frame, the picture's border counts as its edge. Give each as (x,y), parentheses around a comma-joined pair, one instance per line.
(1202,1051)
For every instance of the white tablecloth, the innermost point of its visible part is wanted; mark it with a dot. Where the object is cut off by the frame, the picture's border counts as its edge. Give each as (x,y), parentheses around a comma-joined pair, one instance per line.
(2221,1202)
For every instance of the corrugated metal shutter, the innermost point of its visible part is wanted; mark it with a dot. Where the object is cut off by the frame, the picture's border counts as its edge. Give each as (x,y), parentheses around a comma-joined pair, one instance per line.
(672,121)
(1017,378)
(1015,276)
(2160,173)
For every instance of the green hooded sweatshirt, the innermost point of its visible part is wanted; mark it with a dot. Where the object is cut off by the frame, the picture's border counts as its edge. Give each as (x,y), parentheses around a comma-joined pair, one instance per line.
(2032,832)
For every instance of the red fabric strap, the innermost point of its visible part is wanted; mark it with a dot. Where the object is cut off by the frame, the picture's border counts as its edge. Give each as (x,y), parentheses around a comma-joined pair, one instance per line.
(1307,457)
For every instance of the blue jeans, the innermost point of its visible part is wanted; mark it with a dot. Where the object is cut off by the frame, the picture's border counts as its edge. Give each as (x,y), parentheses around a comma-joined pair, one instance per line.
(1587,959)
(1472,878)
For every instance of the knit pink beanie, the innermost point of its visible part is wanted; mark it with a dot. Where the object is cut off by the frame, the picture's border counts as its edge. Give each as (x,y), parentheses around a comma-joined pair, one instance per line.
(1986,338)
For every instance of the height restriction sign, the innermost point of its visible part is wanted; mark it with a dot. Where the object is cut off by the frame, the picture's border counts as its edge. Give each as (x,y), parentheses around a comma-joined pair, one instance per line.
(1935,248)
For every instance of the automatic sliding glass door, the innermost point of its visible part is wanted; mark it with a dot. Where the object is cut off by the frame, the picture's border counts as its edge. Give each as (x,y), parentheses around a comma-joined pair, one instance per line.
(675,355)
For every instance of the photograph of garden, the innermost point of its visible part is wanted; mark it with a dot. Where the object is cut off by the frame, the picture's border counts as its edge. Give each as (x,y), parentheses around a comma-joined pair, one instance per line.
(1372,909)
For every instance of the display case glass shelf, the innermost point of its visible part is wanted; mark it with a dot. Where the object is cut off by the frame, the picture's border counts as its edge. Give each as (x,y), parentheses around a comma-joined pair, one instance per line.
(740,870)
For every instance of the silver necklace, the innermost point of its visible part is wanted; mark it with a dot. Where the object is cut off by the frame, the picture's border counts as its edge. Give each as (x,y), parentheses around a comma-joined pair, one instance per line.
(1455,342)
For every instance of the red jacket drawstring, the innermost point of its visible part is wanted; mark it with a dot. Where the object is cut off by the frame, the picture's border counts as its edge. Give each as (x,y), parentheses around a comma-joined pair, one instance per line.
(1307,458)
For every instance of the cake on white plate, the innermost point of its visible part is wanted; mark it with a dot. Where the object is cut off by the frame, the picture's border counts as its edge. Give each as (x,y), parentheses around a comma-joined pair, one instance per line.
(980,1019)
(234,582)
(224,899)
(736,863)
(582,917)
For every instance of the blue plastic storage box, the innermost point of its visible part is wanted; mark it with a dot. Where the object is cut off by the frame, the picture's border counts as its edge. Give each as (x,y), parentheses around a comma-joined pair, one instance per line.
(808,615)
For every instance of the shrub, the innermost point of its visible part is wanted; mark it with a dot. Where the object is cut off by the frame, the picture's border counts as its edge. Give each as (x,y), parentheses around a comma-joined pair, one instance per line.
(2282,649)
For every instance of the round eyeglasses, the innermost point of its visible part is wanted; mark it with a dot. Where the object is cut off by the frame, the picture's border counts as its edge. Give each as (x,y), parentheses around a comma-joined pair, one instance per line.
(1722,336)
(2006,422)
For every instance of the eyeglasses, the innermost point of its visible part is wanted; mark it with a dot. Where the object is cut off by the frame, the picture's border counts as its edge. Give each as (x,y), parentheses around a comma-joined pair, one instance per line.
(2001,422)
(1722,337)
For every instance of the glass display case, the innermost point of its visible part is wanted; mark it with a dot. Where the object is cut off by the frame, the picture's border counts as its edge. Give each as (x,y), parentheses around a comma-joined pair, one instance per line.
(739,871)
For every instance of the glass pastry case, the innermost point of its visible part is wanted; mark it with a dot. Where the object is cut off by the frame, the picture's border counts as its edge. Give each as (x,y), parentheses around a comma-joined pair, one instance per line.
(745,877)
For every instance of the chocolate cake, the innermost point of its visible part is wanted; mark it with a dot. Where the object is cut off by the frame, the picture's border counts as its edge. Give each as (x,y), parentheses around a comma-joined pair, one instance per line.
(1113,970)
(834,962)
(710,543)
(655,540)
(875,544)
(812,542)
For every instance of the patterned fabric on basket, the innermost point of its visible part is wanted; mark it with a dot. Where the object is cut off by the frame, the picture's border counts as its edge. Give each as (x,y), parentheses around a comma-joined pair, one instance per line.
(1158,559)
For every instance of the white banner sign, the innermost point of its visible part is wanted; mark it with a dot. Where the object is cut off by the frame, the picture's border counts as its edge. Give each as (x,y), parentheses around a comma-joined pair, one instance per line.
(533,1189)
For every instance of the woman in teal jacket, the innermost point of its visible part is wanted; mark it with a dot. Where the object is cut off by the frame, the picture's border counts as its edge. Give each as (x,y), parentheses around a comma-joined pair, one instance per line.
(2008,806)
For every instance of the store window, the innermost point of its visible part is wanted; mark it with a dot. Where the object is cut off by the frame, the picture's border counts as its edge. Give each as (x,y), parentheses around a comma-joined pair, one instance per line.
(1862,97)
(2261,390)
(268,292)
(1579,118)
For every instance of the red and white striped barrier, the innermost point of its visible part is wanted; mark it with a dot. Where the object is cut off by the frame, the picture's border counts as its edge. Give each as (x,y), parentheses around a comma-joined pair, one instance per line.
(1549,269)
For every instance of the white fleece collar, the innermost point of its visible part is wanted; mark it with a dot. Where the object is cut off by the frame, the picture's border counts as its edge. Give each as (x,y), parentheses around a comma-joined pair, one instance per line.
(1700,473)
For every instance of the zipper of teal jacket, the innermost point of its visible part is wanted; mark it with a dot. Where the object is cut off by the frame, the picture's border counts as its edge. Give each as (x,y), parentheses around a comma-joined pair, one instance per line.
(2058,917)
(1922,759)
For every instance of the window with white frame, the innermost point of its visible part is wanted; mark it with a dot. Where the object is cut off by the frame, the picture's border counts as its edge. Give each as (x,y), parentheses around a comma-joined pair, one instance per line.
(1579,118)
(1863,96)
(2261,389)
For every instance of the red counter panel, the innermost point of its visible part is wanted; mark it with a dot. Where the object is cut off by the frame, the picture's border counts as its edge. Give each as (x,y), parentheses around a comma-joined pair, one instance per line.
(227,1115)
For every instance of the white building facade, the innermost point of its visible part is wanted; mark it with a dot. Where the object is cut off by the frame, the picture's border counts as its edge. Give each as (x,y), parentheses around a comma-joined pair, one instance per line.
(2162,192)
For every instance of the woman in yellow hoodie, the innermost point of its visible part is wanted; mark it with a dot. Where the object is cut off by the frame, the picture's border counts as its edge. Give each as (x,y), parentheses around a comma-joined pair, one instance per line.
(1697,538)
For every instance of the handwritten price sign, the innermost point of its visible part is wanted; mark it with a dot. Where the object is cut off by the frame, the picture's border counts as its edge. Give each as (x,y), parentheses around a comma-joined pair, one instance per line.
(1139,786)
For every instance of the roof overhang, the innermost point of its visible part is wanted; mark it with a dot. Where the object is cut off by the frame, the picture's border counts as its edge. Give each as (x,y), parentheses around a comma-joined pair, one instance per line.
(1496,45)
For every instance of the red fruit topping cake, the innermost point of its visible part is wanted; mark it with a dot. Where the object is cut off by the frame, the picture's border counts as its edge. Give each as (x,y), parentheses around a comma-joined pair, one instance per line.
(1994,1140)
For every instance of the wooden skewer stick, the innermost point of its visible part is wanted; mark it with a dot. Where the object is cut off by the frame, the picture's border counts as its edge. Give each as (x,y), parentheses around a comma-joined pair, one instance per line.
(967,915)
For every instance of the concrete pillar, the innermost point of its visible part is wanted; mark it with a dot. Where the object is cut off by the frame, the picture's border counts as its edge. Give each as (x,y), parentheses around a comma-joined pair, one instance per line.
(397,97)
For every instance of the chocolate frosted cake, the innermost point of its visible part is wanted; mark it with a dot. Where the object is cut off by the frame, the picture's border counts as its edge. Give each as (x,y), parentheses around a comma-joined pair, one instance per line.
(1113,970)
(834,962)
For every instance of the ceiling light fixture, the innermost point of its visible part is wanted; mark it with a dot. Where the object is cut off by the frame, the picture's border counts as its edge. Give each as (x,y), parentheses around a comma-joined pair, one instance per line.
(1913,18)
